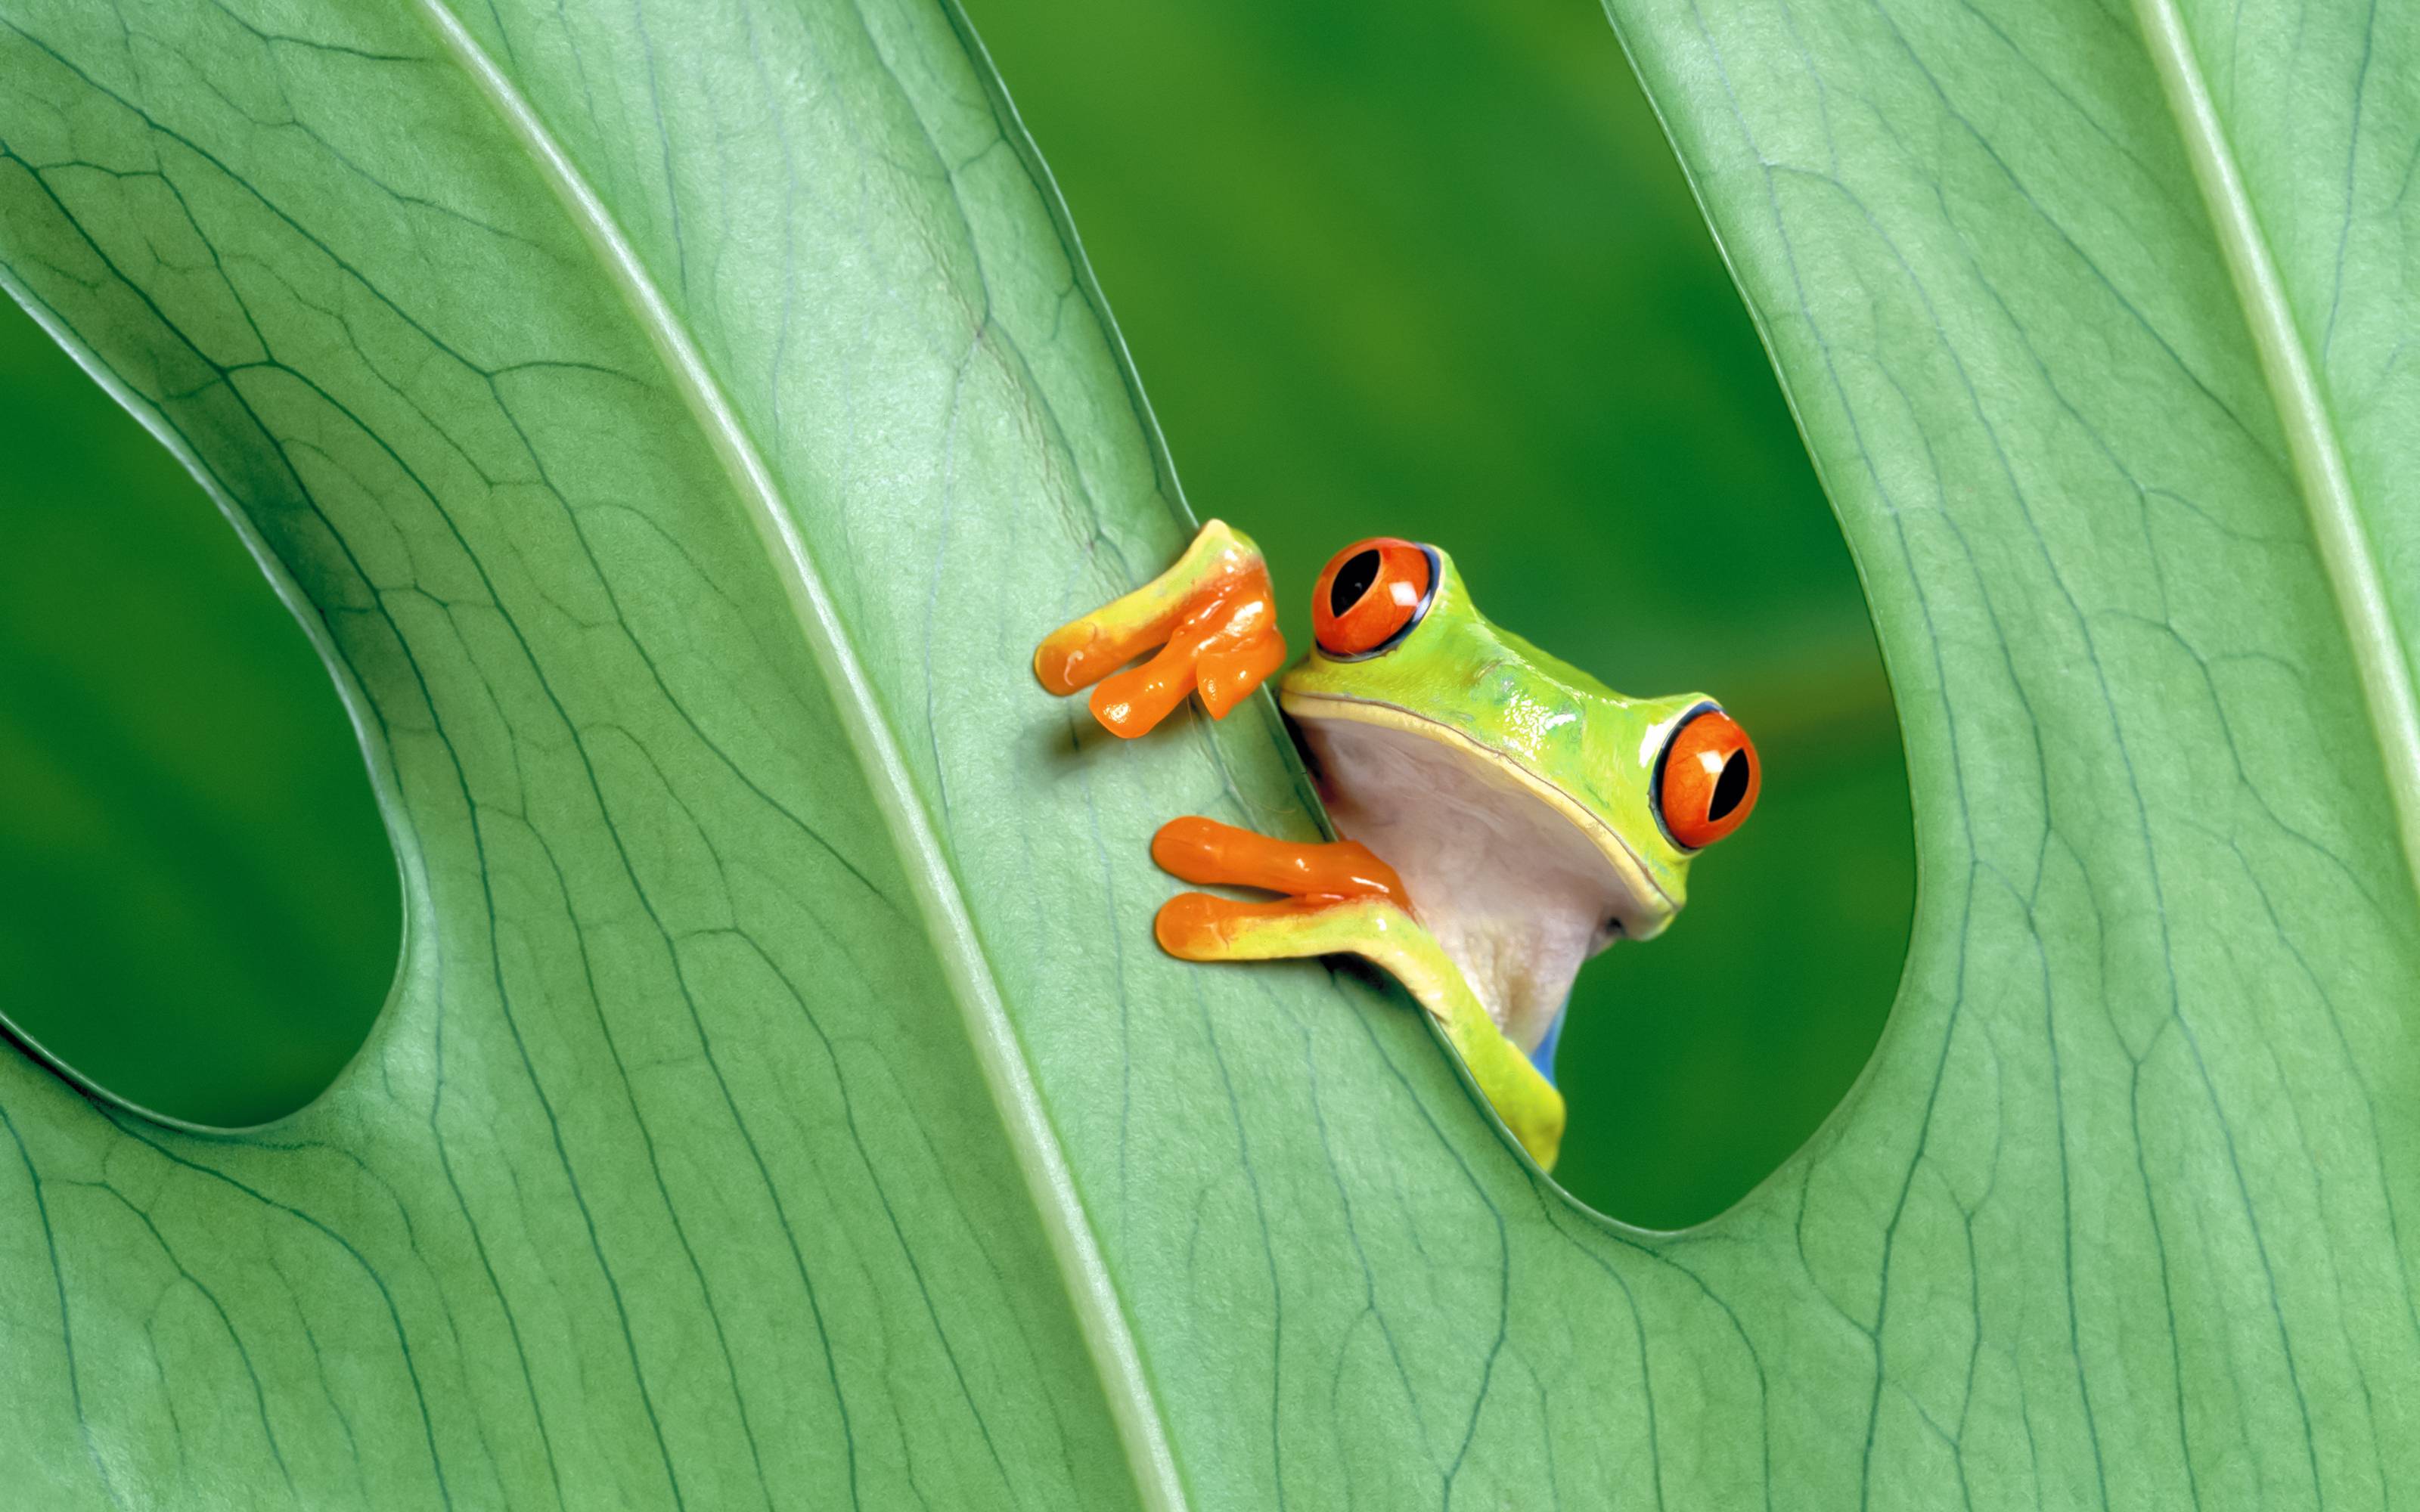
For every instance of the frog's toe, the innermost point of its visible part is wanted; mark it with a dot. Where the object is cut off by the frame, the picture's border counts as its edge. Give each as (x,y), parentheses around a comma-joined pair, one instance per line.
(1227,677)
(1195,925)
(1134,700)
(1066,658)
(1205,851)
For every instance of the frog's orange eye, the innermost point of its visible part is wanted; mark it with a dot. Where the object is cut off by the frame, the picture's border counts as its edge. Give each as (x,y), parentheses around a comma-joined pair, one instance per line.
(1707,782)
(1371,594)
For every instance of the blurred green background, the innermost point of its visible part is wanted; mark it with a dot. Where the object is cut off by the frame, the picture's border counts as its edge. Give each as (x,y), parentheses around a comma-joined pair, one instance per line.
(1425,271)
(198,907)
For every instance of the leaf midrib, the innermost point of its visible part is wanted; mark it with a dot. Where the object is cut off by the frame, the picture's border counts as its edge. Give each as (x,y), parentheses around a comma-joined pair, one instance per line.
(1037,1150)
(2346,550)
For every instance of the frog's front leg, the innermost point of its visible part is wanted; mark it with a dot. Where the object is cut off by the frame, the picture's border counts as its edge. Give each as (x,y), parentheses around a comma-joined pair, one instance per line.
(1212,616)
(1343,899)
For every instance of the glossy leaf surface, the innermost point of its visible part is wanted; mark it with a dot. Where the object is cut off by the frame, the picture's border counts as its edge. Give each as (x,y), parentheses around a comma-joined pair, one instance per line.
(680,427)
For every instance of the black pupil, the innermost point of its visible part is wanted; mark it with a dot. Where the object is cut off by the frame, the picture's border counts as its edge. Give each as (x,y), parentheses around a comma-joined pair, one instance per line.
(1730,788)
(1353,580)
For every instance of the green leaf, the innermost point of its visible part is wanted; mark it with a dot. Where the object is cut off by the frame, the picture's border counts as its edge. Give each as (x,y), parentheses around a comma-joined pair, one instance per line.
(676,430)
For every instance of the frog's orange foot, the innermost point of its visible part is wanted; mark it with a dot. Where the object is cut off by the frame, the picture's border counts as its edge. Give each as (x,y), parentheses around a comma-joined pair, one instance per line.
(1340,895)
(1213,619)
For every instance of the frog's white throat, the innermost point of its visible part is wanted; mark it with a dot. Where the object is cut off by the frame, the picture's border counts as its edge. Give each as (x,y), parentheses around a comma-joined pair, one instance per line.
(1517,893)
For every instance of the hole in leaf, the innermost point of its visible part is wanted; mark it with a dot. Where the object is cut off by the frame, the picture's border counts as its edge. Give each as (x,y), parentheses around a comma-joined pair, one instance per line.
(199,909)
(1433,273)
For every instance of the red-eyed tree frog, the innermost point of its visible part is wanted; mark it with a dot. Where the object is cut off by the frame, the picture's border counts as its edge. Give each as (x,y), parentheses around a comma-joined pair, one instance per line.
(1528,815)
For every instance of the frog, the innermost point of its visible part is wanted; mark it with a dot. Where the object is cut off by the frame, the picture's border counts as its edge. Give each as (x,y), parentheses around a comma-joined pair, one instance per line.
(1501,815)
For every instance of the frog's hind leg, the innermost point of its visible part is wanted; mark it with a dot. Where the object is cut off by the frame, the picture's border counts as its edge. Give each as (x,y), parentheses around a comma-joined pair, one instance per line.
(1343,899)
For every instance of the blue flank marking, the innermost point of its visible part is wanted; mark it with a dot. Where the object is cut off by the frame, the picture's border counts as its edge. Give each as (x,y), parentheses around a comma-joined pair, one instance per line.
(1544,1057)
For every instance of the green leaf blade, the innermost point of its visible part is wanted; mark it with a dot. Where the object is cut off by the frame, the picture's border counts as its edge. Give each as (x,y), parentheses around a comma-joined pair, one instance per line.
(2154,859)
(2287,355)
(668,1174)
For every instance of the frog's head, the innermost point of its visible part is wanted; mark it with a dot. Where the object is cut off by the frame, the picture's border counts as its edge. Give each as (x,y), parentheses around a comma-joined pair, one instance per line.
(1535,815)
